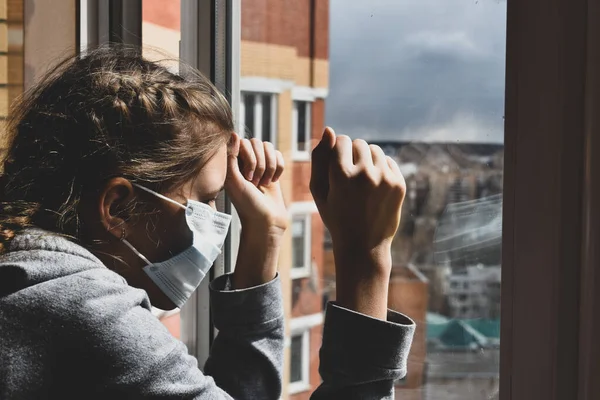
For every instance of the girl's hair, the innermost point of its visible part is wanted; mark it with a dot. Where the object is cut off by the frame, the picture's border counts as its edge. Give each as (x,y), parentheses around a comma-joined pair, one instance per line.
(99,115)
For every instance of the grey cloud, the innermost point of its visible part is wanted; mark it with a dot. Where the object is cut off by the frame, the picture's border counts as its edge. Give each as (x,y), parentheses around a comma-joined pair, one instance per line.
(417,70)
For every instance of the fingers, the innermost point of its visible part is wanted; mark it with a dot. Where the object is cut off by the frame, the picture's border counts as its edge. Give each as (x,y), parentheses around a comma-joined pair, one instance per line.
(361,153)
(378,156)
(392,165)
(280,166)
(396,172)
(247,159)
(343,153)
(261,164)
(270,163)
(320,160)
(233,169)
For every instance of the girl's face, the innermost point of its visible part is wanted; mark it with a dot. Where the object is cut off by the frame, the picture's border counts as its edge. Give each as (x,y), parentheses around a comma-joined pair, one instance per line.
(159,236)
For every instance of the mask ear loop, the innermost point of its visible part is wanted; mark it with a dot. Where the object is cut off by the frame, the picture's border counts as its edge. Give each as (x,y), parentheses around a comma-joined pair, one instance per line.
(137,253)
(160,195)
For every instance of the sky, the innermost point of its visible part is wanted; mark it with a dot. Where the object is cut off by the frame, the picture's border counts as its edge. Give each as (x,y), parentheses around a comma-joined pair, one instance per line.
(417,70)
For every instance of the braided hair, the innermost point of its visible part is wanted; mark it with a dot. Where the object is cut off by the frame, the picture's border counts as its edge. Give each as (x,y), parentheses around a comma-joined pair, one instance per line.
(96,116)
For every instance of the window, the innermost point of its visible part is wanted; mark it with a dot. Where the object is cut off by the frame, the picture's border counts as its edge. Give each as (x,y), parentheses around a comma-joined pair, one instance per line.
(301,245)
(439,100)
(301,130)
(258,116)
(299,362)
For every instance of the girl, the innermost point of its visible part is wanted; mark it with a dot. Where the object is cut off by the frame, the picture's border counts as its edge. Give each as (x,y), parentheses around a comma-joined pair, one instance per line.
(108,207)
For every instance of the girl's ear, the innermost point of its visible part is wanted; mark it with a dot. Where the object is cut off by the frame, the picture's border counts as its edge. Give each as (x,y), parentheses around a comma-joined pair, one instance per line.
(116,195)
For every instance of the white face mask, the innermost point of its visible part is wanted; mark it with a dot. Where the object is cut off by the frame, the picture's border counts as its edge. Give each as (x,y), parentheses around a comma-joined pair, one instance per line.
(180,275)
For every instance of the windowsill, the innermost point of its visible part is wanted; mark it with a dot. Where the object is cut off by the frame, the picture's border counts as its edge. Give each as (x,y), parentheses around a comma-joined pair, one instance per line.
(297,273)
(298,387)
(301,156)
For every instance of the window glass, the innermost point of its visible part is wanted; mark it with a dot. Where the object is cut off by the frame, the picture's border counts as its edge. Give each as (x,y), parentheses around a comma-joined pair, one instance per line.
(424,80)
(161,36)
(298,242)
(249,114)
(296,358)
(266,119)
(301,139)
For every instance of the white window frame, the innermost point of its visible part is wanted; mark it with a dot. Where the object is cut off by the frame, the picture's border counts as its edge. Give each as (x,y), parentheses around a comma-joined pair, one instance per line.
(303,272)
(258,107)
(304,384)
(303,325)
(306,209)
(301,155)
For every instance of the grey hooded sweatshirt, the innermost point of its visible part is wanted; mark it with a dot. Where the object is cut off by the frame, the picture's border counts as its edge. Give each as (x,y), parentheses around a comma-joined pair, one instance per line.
(70,328)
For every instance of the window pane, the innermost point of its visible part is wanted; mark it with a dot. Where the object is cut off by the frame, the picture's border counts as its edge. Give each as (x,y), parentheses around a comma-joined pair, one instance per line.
(249,114)
(298,242)
(266,118)
(161,35)
(302,143)
(296,359)
(425,81)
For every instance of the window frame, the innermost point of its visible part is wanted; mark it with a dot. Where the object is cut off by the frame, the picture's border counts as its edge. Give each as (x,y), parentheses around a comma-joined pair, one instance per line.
(304,384)
(303,325)
(258,118)
(301,155)
(548,347)
(304,271)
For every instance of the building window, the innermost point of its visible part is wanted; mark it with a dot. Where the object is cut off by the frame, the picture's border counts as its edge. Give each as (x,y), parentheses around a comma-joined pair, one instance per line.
(299,362)
(258,116)
(301,130)
(301,243)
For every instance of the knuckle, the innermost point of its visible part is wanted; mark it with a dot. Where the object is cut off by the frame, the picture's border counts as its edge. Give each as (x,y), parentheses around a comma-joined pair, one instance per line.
(359,142)
(255,141)
(375,148)
(269,146)
(271,167)
(340,140)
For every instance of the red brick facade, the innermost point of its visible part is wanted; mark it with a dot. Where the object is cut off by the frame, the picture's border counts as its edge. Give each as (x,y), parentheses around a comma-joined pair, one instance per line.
(288,23)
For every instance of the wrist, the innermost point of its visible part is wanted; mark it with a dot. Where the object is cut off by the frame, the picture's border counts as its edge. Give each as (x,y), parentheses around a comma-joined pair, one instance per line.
(257,259)
(362,278)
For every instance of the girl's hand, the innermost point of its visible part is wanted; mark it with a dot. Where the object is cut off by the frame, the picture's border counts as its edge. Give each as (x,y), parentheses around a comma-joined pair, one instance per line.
(252,183)
(359,193)
(253,173)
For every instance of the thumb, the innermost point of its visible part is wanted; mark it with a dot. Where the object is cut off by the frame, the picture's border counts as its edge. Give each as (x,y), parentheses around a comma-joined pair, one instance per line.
(321,156)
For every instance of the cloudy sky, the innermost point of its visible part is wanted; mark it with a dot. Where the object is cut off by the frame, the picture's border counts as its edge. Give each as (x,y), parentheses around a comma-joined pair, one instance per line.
(419,70)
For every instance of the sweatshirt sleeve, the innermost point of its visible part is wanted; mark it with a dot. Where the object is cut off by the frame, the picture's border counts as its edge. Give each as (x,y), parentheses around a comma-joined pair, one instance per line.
(247,355)
(361,356)
(135,357)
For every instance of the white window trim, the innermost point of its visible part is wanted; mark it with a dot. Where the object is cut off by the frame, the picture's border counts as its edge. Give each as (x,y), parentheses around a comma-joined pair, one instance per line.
(264,85)
(303,384)
(303,325)
(299,324)
(309,93)
(303,272)
(257,128)
(270,85)
(301,155)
